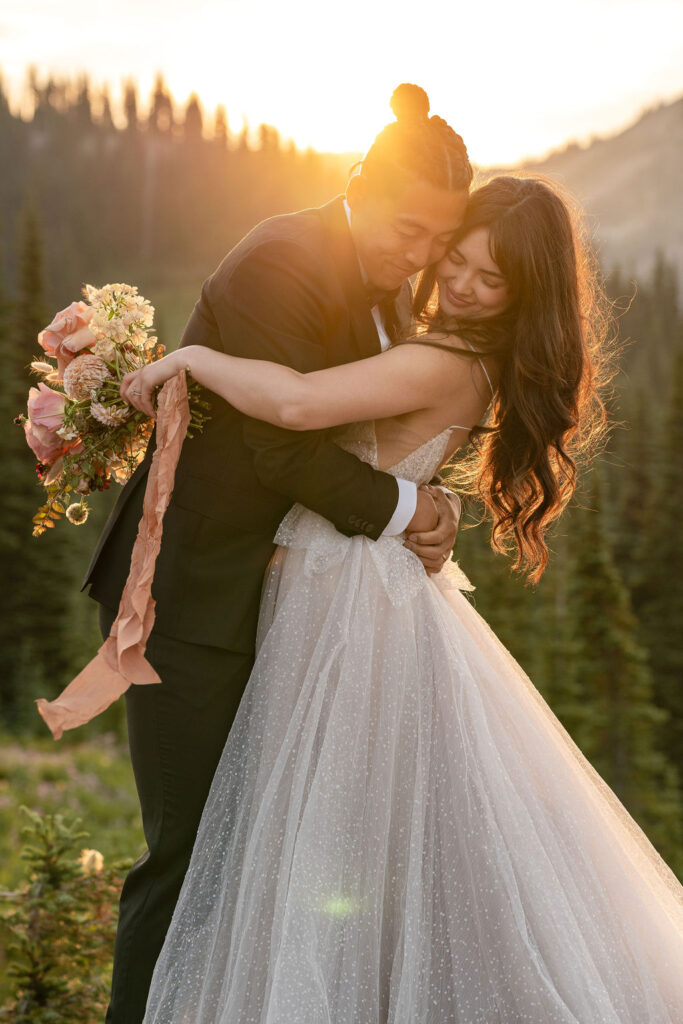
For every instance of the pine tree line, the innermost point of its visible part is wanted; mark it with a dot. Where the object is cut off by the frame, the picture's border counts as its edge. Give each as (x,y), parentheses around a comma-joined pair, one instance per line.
(156,198)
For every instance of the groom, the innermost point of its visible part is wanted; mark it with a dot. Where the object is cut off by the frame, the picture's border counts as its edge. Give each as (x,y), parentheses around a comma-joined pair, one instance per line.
(311,289)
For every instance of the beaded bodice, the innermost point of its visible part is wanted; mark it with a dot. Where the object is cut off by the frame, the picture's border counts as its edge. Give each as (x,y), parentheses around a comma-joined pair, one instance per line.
(419,465)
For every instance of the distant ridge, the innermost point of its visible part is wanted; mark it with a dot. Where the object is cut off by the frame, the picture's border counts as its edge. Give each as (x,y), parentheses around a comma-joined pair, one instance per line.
(631,186)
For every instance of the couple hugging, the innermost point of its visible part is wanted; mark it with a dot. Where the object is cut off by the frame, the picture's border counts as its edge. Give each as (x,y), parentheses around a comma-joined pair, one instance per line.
(357,807)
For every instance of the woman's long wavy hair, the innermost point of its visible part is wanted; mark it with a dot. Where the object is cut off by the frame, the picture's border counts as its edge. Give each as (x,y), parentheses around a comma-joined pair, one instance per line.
(557,353)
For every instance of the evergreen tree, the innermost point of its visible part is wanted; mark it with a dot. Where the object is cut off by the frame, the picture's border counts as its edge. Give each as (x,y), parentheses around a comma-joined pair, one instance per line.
(629,514)
(31,309)
(61,927)
(618,730)
(220,128)
(38,579)
(82,109)
(659,591)
(160,120)
(192,126)
(14,449)
(106,120)
(269,139)
(5,113)
(130,106)
(652,323)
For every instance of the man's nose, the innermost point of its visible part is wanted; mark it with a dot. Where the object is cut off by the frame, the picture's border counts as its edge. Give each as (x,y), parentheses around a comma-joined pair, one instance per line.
(437,251)
(419,254)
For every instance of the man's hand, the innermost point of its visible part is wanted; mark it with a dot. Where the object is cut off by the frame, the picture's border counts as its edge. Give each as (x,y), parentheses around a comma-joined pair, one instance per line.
(434,547)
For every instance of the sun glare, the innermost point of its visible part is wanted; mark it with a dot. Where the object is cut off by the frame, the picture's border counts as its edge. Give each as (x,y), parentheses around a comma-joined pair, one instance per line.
(323,74)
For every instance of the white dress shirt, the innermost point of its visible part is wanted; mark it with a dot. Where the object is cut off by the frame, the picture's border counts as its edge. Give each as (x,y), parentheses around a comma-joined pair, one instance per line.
(407,490)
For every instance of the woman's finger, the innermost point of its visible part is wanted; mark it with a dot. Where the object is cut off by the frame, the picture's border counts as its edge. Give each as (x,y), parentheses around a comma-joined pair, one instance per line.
(145,398)
(136,392)
(126,384)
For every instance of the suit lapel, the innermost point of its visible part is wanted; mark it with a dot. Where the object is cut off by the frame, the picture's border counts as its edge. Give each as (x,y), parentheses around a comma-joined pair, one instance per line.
(365,340)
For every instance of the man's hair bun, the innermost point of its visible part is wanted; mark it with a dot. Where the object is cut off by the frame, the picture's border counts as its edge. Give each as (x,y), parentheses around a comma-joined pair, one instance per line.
(410,103)
(416,147)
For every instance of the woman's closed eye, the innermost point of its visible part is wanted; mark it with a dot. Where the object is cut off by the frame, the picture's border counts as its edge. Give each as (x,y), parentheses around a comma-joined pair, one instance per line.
(493,283)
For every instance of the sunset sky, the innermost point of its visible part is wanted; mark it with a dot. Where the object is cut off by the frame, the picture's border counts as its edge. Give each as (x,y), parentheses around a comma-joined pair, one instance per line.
(515,79)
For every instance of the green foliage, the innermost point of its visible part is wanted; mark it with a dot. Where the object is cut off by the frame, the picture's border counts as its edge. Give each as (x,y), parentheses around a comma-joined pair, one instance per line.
(658,590)
(36,653)
(615,719)
(62,924)
(85,775)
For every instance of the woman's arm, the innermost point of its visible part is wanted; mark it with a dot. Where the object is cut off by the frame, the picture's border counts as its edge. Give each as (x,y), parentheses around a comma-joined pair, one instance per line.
(403,379)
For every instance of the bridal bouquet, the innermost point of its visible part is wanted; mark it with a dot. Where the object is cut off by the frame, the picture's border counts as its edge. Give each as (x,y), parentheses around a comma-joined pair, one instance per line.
(81,431)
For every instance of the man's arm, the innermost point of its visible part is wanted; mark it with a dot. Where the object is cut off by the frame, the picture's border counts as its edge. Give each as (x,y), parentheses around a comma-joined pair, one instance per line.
(272,305)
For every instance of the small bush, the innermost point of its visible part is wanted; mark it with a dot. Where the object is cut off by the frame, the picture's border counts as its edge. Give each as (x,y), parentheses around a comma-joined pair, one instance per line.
(61,924)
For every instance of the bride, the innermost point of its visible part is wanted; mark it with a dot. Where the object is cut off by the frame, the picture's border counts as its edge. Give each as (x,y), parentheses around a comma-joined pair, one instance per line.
(399,829)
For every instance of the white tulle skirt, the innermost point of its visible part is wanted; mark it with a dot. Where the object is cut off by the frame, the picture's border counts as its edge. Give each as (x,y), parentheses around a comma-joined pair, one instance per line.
(400,831)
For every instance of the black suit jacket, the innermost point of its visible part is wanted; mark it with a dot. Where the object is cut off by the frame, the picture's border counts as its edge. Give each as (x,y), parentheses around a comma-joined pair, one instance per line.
(291,292)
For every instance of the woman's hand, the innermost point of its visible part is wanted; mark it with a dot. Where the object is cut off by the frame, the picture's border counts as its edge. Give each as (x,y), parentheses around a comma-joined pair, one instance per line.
(137,387)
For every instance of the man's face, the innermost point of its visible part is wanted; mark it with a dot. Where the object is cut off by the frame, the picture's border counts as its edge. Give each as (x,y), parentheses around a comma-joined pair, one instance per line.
(396,237)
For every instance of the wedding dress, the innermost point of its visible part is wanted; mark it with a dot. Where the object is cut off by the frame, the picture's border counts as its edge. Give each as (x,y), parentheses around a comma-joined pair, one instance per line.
(400,831)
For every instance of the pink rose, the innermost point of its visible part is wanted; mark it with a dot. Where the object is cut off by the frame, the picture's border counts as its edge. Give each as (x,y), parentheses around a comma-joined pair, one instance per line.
(45,417)
(68,334)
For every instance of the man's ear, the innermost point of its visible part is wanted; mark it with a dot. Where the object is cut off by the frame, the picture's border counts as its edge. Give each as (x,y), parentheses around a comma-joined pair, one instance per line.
(356,192)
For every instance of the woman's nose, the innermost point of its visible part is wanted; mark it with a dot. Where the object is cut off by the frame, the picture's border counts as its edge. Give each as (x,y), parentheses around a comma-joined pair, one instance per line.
(460,281)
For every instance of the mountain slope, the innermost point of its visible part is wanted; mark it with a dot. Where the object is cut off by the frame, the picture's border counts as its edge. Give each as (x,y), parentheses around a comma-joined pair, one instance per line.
(630,184)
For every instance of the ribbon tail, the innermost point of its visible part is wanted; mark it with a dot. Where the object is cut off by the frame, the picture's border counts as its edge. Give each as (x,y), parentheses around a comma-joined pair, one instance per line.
(121,659)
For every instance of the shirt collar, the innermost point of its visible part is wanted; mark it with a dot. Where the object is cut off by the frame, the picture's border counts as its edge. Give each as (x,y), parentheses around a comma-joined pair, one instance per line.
(347,210)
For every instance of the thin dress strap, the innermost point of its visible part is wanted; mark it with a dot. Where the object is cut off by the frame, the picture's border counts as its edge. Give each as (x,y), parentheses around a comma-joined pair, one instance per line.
(449,348)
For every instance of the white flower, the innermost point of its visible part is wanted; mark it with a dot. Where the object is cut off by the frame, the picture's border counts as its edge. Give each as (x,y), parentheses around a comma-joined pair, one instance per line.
(83,376)
(109,414)
(91,861)
(104,348)
(40,367)
(67,432)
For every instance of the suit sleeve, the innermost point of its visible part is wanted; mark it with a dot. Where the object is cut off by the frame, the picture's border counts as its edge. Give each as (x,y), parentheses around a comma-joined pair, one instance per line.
(271,305)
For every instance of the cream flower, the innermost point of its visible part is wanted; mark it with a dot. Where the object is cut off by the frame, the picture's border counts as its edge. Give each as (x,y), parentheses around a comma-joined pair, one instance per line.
(83,376)
(68,433)
(104,348)
(109,414)
(45,368)
(91,861)
(77,514)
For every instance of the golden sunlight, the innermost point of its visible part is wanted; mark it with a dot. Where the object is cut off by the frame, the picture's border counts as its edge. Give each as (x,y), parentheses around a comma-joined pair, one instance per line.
(322,74)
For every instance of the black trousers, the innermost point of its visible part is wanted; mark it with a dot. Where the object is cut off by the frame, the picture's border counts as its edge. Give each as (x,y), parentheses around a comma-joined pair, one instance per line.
(177,731)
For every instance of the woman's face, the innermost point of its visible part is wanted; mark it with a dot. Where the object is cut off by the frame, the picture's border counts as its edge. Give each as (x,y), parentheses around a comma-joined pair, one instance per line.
(470,283)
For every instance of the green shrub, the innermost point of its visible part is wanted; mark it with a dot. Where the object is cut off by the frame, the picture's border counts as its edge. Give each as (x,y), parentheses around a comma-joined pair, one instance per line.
(61,925)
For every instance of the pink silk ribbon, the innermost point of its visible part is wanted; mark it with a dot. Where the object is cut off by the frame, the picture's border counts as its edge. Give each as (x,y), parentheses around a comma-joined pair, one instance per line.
(121,660)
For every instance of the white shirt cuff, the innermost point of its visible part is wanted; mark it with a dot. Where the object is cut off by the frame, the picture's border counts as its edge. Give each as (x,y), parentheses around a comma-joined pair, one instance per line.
(405,509)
